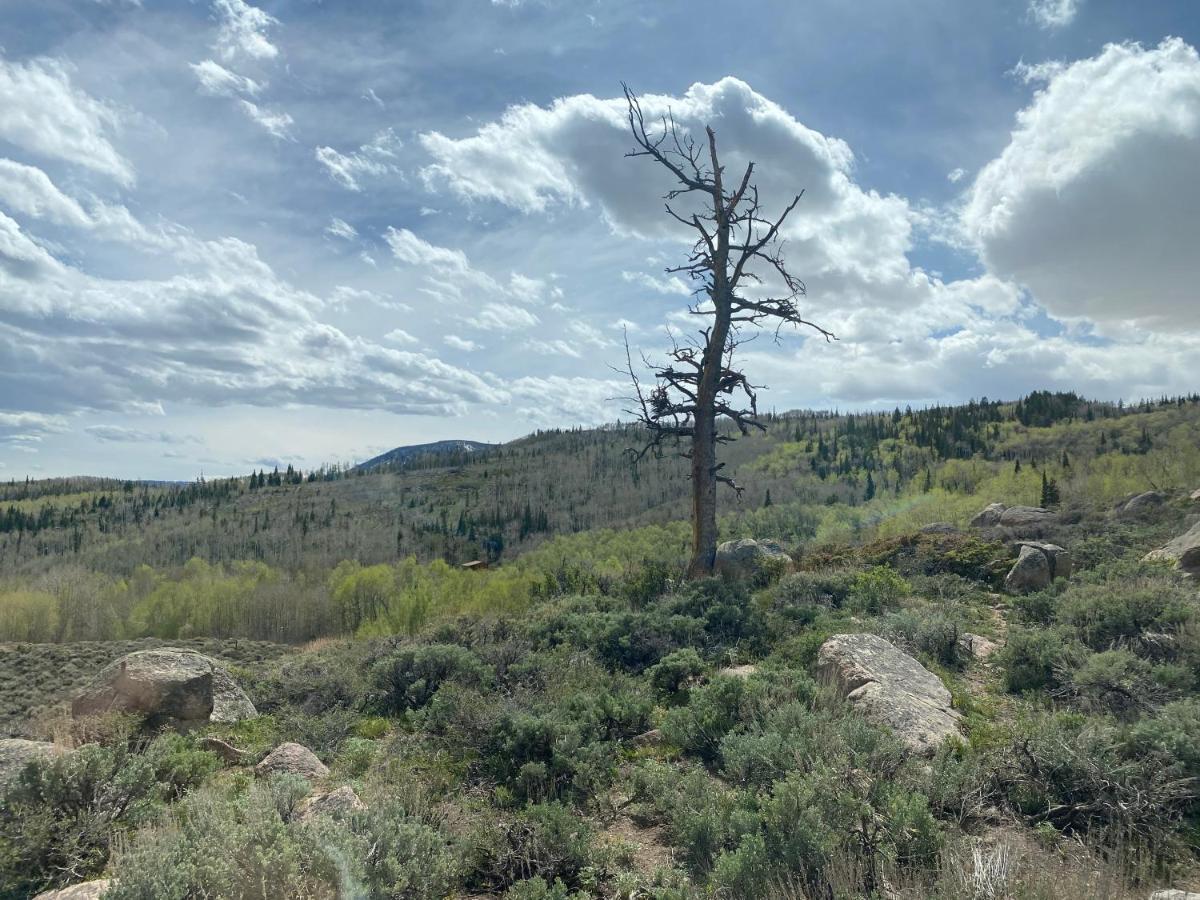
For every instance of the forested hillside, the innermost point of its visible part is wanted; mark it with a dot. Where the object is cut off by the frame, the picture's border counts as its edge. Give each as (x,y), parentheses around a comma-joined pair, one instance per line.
(495,503)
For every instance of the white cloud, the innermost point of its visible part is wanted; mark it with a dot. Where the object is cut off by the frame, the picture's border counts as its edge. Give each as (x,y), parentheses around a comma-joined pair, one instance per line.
(660,284)
(24,429)
(218,81)
(502,317)
(43,113)
(1052,14)
(555,347)
(243,31)
(29,191)
(276,123)
(954,176)
(340,228)
(1092,205)
(461,343)
(372,160)
(399,336)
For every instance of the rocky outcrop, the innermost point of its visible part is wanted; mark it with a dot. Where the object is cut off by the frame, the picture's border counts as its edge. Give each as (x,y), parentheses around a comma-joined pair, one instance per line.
(16,753)
(1174,895)
(88,890)
(748,558)
(1140,503)
(168,686)
(292,759)
(890,688)
(1195,495)
(1036,567)
(1184,551)
(336,804)
(989,516)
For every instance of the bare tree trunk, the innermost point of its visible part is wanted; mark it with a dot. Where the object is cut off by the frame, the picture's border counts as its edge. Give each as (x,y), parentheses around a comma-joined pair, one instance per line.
(704,497)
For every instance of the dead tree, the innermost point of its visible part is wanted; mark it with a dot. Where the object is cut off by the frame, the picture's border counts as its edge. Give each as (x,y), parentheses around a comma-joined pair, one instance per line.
(742,283)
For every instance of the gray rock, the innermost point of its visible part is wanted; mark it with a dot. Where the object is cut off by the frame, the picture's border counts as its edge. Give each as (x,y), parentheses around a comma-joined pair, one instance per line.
(168,686)
(889,687)
(989,516)
(1184,551)
(1037,566)
(15,753)
(292,759)
(88,890)
(1026,519)
(747,557)
(1174,895)
(336,804)
(939,528)
(976,646)
(1195,495)
(1139,503)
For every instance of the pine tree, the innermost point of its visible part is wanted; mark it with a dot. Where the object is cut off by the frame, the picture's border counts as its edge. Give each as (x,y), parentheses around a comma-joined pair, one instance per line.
(869,493)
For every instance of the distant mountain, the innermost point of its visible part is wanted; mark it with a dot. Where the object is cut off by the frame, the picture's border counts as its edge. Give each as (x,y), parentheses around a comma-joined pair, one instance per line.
(401,457)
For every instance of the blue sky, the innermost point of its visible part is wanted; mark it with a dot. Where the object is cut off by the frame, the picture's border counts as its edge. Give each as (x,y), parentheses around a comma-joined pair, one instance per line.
(236,234)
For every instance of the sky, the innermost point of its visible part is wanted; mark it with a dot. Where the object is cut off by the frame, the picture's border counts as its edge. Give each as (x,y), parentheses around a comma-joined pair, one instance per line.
(307,231)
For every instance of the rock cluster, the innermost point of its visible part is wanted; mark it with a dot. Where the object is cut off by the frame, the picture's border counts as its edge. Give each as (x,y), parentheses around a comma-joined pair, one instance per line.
(888,687)
(88,890)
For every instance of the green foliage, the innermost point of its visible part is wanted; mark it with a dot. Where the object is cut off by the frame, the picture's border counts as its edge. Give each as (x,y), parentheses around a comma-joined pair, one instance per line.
(674,672)
(59,819)
(877,590)
(408,677)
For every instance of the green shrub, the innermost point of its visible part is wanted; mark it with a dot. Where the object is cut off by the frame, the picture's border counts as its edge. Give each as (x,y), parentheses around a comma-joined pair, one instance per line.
(1029,657)
(408,677)
(877,590)
(1121,607)
(59,818)
(673,673)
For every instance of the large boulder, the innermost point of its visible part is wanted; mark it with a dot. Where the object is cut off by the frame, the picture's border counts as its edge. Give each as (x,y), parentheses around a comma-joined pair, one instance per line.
(337,804)
(889,687)
(15,753)
(1195,495)
(1140,503)
(989,516)
(1184,551)
(1037,566)
(1026,519)
(87,890)
(748,558)
(292,759)
(167,686)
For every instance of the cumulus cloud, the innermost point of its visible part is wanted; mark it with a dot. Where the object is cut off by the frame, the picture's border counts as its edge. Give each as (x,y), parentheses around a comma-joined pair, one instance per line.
(1051,14)
(461,343)
(372,160)
(399,336)
(243,31)
(29,191)
(1092,205)
(503,317)
(224,329)
(42,112)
